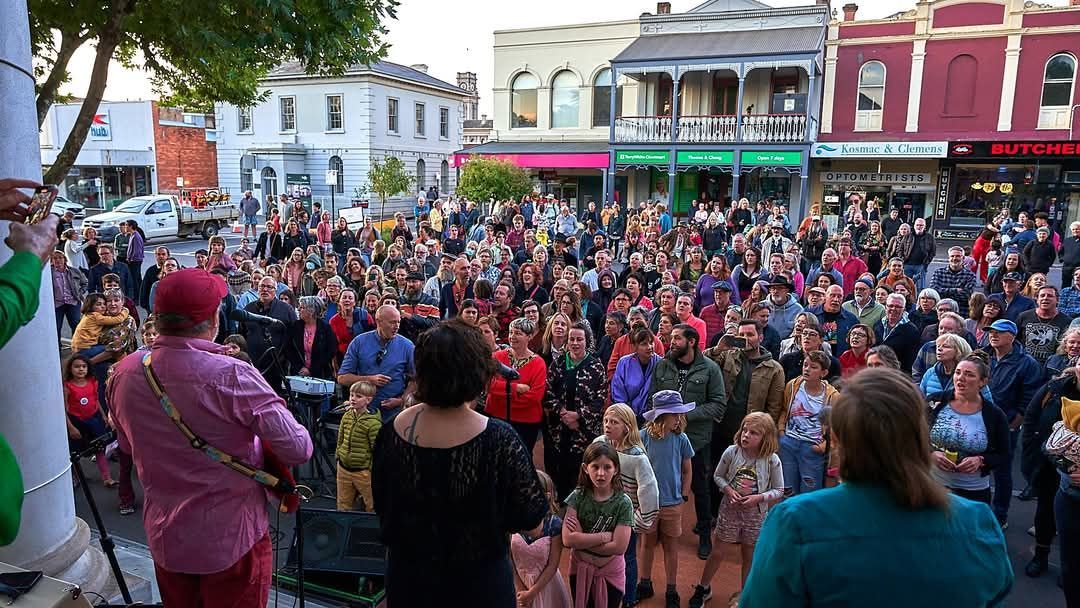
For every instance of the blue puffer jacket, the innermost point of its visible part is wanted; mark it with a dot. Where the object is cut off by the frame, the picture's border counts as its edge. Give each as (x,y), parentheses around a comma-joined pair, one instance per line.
(1014,380)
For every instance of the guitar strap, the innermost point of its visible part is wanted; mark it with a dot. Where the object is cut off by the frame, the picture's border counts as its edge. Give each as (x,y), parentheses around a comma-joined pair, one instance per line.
(278,484)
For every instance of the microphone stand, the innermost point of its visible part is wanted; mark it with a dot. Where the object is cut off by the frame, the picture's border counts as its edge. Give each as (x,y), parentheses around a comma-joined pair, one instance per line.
(107,543)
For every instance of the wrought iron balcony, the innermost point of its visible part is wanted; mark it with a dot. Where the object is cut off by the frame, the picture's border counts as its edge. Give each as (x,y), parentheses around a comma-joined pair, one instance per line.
(722,128)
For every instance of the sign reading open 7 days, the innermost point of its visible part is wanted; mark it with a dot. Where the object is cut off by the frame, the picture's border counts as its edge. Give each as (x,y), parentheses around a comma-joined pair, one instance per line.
(756,157)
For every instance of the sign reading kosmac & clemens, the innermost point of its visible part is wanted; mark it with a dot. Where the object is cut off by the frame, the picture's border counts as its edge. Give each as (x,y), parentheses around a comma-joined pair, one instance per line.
(881,149)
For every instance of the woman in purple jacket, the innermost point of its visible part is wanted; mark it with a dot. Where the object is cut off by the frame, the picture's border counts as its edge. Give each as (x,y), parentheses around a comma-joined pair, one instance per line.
(630,384)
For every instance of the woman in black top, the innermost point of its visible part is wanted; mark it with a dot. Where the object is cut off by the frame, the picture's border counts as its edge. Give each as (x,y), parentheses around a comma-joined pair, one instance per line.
(450,485)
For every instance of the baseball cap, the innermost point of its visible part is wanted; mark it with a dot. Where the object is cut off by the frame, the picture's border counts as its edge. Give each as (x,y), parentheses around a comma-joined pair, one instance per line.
(192,292)
(1004,325)
(1012,276)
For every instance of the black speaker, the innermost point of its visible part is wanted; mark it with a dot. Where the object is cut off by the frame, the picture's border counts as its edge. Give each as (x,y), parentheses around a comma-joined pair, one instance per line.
(339,541)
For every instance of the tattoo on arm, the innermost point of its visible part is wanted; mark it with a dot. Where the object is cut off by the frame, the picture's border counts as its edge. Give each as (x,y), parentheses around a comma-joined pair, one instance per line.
(410,432)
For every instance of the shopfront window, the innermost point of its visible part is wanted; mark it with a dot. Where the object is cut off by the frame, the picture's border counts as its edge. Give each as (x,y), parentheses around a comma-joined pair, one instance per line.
(983,190)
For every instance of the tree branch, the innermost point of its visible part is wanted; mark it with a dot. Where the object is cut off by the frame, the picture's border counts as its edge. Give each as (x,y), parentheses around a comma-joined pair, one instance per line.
(47,95)
(108,40)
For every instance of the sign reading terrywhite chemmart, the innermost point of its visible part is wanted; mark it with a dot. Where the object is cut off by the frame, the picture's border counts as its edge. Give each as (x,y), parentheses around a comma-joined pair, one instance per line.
(881,149)
(642,157)
(695,157)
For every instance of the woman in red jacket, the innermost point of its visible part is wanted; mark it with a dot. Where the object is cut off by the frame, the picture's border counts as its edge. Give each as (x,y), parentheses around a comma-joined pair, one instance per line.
(979,249)
(526,392)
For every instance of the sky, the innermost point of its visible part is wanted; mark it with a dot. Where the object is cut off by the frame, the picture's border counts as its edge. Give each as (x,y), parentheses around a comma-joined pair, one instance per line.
(452,37)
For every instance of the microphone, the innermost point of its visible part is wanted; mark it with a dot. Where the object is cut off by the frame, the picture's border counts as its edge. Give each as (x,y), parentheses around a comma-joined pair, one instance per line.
(507,372)
(243,316)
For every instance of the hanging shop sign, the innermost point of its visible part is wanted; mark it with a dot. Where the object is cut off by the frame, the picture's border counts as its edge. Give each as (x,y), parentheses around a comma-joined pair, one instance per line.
(642,157)
(705,157)
(941,209)
(870,178)
(881,149)
(766,158)
(1013,149)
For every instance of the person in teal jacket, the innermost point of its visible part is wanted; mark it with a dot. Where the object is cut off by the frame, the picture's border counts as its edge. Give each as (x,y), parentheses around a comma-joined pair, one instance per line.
(20,281)
(889,535)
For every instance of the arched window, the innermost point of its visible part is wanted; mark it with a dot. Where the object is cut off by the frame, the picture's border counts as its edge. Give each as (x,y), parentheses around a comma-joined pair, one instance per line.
(269,182)
(960,86)
(871,96)
(601,114)
(1059,79)
(444,177)
(565,95)
(421,169)
(336,165)
(523,101)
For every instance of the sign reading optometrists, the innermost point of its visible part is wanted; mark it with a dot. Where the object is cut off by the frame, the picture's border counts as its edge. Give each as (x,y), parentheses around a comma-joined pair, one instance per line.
(881,149)
(871,178)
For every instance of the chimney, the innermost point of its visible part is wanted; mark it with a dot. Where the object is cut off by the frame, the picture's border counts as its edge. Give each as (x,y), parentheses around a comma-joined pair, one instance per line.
(824,3)
(483,118)
(849,11)
(663,8)
(419,67)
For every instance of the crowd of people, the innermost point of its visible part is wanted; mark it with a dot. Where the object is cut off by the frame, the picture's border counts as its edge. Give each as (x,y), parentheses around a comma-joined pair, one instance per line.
(652,359)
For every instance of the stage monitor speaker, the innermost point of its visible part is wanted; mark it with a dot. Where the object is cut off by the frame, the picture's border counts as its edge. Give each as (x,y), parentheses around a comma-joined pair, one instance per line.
(340,541)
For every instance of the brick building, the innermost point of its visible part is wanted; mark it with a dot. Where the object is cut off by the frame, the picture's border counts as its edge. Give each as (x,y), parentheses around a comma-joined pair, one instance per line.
(913,102)
(186,147)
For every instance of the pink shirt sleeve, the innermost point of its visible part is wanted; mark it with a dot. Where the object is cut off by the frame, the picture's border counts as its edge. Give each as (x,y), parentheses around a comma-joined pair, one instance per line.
(256,406)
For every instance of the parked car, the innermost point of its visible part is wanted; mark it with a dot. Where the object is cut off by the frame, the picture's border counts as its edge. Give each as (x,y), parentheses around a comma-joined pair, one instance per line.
(62,205)
(163,216)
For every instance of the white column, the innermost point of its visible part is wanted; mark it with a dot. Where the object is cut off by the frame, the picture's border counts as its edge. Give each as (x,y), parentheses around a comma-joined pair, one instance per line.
(918,59)
(830,88)
(1008,83)
(51,538)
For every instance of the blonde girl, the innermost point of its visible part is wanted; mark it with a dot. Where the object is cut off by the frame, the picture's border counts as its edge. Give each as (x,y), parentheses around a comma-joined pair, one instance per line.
(639,483)
(751,478)
(535,557)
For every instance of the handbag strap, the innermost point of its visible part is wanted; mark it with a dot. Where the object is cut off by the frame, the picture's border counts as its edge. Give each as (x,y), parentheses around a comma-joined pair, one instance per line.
(197,442)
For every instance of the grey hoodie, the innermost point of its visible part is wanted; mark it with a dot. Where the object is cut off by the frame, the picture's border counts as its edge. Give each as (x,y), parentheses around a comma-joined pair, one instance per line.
(782,317)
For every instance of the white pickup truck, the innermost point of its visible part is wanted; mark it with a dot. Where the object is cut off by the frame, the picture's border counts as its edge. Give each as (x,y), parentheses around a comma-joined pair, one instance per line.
(161,215)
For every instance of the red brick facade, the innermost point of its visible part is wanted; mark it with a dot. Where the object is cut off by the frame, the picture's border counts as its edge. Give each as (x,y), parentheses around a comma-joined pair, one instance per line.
(182,151)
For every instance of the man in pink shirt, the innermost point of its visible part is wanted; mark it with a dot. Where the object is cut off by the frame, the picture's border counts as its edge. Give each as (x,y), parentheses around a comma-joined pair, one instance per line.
(850,267)
(206,524)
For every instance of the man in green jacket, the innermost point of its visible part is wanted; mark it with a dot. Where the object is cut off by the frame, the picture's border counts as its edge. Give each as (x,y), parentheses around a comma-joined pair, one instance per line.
(20,281)
(699,380)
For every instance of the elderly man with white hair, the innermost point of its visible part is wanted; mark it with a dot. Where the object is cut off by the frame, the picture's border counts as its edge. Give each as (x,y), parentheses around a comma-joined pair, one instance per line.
(1070,253)
(896,332)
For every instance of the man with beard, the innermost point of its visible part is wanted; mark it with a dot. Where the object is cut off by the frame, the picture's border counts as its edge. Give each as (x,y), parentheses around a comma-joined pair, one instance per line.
(863,306)
(1041,329)
(503,309)
(782,304)
(153,273)
(419,311)
(445,276)
(922,253)
(266,341)
(698,380)
(954,281)
(453,294)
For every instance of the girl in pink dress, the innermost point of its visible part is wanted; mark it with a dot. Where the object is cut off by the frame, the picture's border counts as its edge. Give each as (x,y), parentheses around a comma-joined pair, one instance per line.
(535,556)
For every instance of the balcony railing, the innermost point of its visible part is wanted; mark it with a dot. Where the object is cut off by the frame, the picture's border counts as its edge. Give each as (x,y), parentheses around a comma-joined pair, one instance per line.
(707,129)
(723,128)
(774,128)
(643,129)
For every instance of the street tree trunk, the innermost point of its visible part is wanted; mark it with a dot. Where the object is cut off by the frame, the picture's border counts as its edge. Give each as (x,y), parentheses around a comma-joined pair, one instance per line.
(69,43)
(107,41)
